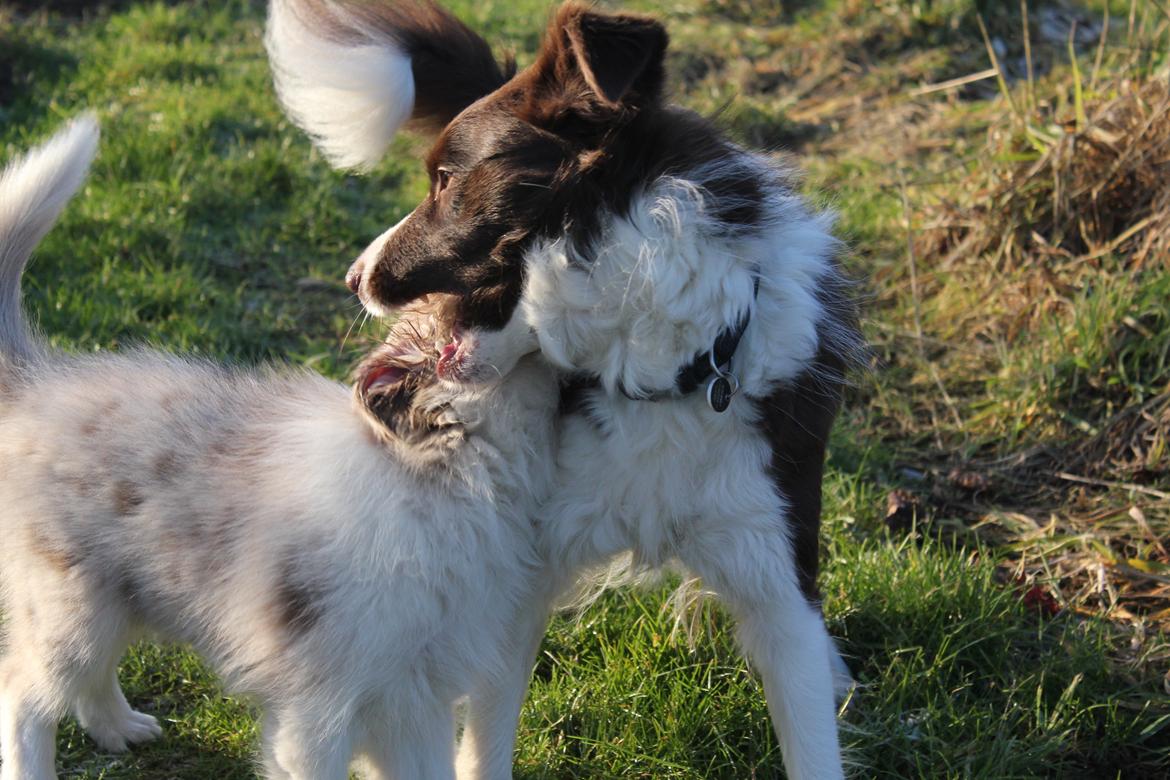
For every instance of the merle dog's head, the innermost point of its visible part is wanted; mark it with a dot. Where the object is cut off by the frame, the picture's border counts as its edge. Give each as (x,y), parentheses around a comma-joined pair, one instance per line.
(529,172)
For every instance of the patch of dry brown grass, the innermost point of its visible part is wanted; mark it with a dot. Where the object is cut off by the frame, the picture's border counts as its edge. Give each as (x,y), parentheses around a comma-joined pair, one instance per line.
(1093,196)
(1008,260)
(1020,392)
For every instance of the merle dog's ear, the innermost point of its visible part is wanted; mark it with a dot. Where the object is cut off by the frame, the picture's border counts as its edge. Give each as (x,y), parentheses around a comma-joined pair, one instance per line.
(594,66)
(352,72)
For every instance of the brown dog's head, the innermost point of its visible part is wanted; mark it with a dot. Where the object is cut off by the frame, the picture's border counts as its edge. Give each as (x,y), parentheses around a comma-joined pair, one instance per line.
(514,156)
(555,155)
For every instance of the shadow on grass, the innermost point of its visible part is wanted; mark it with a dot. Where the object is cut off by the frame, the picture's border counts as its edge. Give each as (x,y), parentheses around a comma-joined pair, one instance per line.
(759,12)
(25,67)
(949,654)
(79,8)
(179,753)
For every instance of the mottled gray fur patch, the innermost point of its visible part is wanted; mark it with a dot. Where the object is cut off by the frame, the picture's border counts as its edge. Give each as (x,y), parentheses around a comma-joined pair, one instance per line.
(298,601)
(59,555)
(167,465)
(127,497)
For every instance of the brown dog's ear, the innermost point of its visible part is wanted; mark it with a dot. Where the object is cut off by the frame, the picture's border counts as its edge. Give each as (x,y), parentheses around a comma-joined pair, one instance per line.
(594,66)
(619,57)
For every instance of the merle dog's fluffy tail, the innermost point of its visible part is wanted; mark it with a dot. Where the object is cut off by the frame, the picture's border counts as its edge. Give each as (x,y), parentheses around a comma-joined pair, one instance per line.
(33,191)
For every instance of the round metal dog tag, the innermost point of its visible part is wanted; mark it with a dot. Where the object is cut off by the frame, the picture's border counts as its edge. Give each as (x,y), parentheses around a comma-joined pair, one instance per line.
(719,394)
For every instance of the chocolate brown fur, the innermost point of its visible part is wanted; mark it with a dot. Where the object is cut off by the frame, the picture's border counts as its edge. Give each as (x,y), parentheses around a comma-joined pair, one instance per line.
(452,66)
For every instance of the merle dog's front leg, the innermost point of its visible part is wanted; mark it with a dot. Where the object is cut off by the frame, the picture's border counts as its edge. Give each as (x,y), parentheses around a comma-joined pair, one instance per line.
(493,708)
(752,569)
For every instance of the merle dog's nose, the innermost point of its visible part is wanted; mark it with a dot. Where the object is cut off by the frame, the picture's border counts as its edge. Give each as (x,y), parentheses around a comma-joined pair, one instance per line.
(353,277)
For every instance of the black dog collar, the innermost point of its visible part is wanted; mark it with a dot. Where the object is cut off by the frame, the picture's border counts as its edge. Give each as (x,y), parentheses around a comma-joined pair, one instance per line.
(715,361)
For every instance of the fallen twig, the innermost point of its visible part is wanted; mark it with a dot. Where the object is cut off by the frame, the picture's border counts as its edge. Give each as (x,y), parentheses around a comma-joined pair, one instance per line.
(1111,484)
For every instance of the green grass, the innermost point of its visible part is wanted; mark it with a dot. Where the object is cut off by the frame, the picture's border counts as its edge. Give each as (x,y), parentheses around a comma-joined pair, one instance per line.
(209,225)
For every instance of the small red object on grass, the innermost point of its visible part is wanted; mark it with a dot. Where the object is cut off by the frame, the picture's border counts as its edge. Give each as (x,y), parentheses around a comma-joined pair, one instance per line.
(1038,599)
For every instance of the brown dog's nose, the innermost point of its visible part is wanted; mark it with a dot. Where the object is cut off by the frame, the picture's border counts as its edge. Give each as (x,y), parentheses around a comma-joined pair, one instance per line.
(353,277)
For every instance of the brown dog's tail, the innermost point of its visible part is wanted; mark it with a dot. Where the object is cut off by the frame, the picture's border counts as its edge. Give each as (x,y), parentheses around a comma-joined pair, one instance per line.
(33,191)
(350,73)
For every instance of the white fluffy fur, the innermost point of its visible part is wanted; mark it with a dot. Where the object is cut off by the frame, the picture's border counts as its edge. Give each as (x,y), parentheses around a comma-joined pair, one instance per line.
(672,481)
(349,97)
(660,284)
(356,594)
(646,302)
(34,193)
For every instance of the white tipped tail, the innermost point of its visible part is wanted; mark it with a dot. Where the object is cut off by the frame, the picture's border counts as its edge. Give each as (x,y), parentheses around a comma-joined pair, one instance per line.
(349,88)
(33,191)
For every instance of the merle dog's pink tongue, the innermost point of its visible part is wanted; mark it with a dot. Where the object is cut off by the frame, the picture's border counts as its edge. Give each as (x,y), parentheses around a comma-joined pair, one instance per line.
(450,351)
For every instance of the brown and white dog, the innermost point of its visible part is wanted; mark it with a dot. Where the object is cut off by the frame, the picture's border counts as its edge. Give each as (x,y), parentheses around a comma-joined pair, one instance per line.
(689,295)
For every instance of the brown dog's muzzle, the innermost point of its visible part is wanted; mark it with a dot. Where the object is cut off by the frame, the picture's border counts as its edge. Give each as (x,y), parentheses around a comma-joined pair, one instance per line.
(353,277)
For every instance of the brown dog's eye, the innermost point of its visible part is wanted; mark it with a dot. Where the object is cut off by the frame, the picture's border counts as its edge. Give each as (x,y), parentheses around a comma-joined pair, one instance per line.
(442,179)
